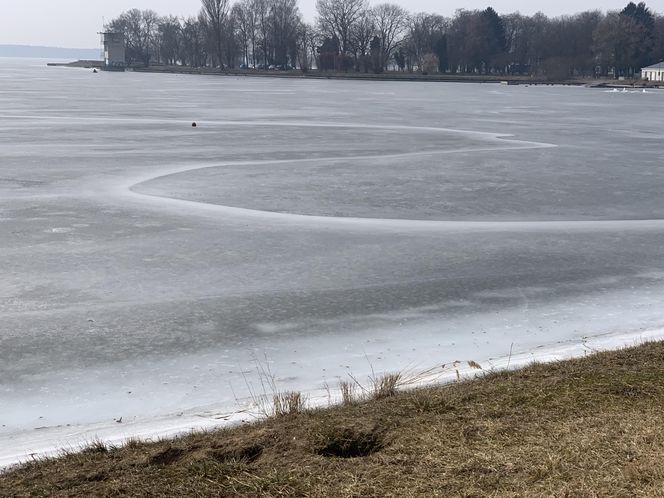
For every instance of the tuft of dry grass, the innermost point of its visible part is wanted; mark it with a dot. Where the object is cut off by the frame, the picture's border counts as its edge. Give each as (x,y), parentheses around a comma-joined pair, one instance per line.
(288,403)
(385,386)
(97,446)
(348,392)
(589,427)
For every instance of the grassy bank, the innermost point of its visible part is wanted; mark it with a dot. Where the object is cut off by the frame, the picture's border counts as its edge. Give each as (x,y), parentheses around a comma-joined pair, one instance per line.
(581,428)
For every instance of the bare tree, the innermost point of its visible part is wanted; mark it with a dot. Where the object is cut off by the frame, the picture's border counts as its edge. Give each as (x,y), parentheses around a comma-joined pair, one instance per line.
(230,45)
(169,40)
(308,40)
(241,20)
(285,20)
(261,10)
(362,33)
(425,33)
(140,29)
(193,53)
(216,13)
(616,40)
(349,34)
(252,27)
(337,18)
(390,22)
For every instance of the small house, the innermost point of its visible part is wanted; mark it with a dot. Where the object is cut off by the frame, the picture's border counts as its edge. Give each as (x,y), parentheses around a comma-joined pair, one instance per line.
(653,73)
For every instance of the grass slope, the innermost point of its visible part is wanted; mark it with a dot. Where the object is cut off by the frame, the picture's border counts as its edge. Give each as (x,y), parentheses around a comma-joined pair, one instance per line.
(581,428)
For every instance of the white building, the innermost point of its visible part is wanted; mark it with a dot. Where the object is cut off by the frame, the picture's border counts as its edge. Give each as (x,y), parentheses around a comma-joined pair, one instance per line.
(653,73)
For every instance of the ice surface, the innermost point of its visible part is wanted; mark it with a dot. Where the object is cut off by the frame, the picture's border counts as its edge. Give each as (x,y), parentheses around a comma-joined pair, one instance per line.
(320,227)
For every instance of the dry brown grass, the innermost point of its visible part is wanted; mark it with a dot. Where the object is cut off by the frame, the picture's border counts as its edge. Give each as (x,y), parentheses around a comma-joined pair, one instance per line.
(348,392)
(385,386)
(288,403)
(584,428)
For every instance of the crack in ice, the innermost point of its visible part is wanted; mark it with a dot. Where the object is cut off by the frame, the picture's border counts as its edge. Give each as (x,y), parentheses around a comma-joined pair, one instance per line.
(130,189)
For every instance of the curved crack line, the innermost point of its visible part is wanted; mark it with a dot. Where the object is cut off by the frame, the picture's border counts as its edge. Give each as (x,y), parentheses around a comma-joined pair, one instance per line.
(129,190)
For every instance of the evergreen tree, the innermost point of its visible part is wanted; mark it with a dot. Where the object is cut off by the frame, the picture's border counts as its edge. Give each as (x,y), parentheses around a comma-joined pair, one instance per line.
(642,39)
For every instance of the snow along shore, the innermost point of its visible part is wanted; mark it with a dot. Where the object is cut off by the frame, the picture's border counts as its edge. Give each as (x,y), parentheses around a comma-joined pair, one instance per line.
(50,441)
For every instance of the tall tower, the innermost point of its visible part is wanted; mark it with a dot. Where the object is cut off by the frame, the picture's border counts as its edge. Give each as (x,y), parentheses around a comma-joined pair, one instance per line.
(114,51)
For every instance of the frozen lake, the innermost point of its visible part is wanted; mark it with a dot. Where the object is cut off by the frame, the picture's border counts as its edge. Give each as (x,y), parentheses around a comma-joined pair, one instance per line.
(318,227)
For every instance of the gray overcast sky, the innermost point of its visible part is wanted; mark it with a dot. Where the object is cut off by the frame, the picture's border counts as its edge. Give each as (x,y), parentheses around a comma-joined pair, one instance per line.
(74,23)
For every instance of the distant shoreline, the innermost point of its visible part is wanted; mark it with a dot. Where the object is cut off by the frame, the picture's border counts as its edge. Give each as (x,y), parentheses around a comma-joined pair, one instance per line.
(388,76)
(323,75)
(44,52)
(86,64)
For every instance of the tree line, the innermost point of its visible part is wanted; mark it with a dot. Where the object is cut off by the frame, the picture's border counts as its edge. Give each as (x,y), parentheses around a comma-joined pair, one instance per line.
(351,35)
